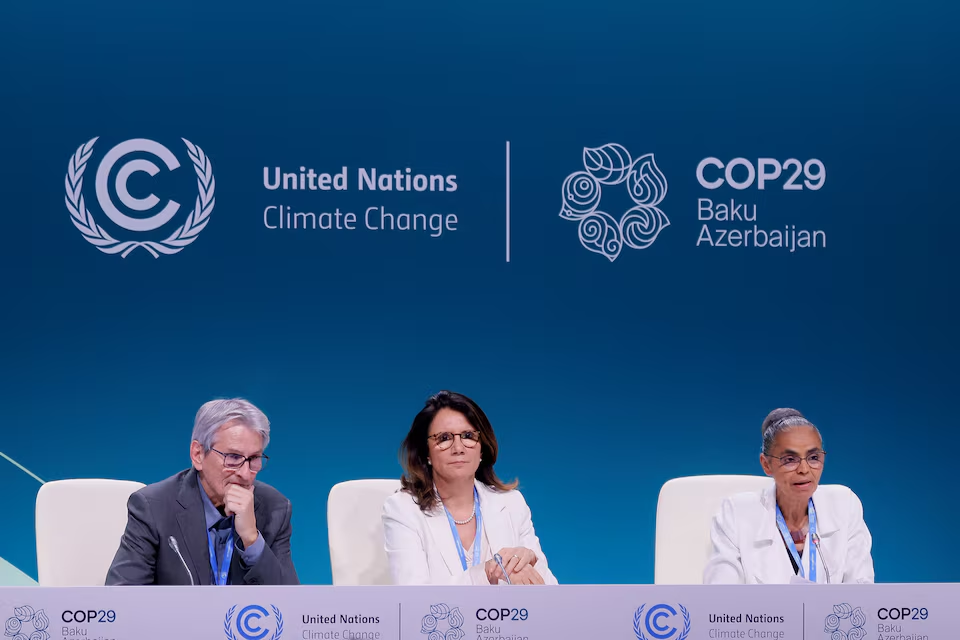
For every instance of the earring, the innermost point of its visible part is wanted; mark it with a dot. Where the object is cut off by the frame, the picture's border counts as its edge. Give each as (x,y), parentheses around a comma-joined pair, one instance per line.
(429,462)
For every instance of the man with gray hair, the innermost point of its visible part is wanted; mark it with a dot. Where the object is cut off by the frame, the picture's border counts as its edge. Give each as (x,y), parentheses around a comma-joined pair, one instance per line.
(213,523)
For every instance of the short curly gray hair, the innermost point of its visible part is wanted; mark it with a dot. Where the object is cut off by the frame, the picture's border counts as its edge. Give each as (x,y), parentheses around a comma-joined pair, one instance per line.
(778,421)
(216,413)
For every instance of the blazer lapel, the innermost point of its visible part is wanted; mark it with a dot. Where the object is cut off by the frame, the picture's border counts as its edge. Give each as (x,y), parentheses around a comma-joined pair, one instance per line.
(826,518)
(193,528)
(439,528)
(771,559)
(496,525)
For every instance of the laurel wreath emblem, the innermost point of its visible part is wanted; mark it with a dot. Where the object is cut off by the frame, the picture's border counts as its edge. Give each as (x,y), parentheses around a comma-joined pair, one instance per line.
(228,631)
(93,233)
(226,623)
(638,628)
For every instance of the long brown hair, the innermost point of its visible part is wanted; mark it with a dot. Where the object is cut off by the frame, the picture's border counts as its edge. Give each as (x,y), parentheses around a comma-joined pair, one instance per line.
(417,478)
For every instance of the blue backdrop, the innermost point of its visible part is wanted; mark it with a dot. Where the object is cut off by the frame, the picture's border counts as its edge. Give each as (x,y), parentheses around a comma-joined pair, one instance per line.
(603,378)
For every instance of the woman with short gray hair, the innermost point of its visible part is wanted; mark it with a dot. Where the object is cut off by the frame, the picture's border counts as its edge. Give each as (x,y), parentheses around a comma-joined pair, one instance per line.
(795,530)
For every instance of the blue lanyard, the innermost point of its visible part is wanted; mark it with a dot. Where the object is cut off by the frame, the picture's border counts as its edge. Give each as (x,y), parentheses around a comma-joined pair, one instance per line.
(220,573)
(792,548)
(476,540)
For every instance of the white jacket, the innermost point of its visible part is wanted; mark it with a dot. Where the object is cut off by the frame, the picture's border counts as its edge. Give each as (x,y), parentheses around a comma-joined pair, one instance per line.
(421,549)
(748,547)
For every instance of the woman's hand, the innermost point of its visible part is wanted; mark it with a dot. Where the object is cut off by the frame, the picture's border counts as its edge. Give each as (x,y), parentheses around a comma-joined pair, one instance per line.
(516,558)
(494,575)
(527,575)
(518,561)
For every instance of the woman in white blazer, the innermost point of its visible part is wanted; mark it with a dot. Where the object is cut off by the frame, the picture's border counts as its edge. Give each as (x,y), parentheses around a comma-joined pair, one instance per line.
(454,521)
(794,530)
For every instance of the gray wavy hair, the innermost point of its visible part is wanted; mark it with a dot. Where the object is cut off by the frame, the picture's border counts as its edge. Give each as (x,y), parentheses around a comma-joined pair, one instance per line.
(778,421)
(216,413)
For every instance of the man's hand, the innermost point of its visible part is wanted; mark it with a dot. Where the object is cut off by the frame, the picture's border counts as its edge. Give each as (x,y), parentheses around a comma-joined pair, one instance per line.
(238,501)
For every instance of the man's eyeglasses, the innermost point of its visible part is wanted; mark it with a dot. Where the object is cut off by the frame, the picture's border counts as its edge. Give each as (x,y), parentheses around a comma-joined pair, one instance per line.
(235,460)
(445,439)
(791,461)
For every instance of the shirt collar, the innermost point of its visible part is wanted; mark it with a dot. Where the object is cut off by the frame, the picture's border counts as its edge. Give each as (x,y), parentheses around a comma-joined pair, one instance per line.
(211,515)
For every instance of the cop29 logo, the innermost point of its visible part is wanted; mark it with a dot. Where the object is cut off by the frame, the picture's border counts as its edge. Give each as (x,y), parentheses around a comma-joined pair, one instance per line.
(443,623)
(253,623)
(661,622)
(161,229)
(27,624)
(845,623)
(637,227)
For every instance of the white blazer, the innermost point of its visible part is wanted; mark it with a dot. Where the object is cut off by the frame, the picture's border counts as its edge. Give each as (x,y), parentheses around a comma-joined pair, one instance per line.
(421,549)
(748,547)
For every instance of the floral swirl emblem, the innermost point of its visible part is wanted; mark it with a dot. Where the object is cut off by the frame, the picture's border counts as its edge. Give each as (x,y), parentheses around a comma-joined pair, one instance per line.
(27,624)
(646,185)
(855,618)
(453,621)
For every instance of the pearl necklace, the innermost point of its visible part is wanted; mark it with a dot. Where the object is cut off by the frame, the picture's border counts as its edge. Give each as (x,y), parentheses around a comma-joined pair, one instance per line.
(460,522)
(468,520)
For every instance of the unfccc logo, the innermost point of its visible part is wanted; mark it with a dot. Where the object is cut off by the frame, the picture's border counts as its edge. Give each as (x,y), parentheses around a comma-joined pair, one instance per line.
(252,623)
(661,622)
(97,235)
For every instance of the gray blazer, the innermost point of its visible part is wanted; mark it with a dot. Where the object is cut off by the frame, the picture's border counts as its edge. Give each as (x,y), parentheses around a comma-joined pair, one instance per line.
(173,507)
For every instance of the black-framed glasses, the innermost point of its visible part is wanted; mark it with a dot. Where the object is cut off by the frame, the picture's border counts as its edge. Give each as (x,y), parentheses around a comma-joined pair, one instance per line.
(791,461)
(445,439)
(235,460)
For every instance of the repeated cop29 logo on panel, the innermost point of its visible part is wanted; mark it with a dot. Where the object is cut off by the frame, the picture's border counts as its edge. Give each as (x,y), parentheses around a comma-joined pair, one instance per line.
(27,623)
(140,194)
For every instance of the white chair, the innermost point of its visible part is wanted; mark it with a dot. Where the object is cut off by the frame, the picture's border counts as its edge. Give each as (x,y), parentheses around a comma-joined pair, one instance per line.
(79,526)
(685,511)
(355,531)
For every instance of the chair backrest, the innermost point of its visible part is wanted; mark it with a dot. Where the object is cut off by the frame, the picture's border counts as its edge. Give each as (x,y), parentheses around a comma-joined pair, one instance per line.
(79,526)
(685,511)
(355,531)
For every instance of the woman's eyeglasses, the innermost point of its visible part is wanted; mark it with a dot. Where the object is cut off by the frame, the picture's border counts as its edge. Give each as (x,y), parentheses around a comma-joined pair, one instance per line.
(444,439)
(791,461)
